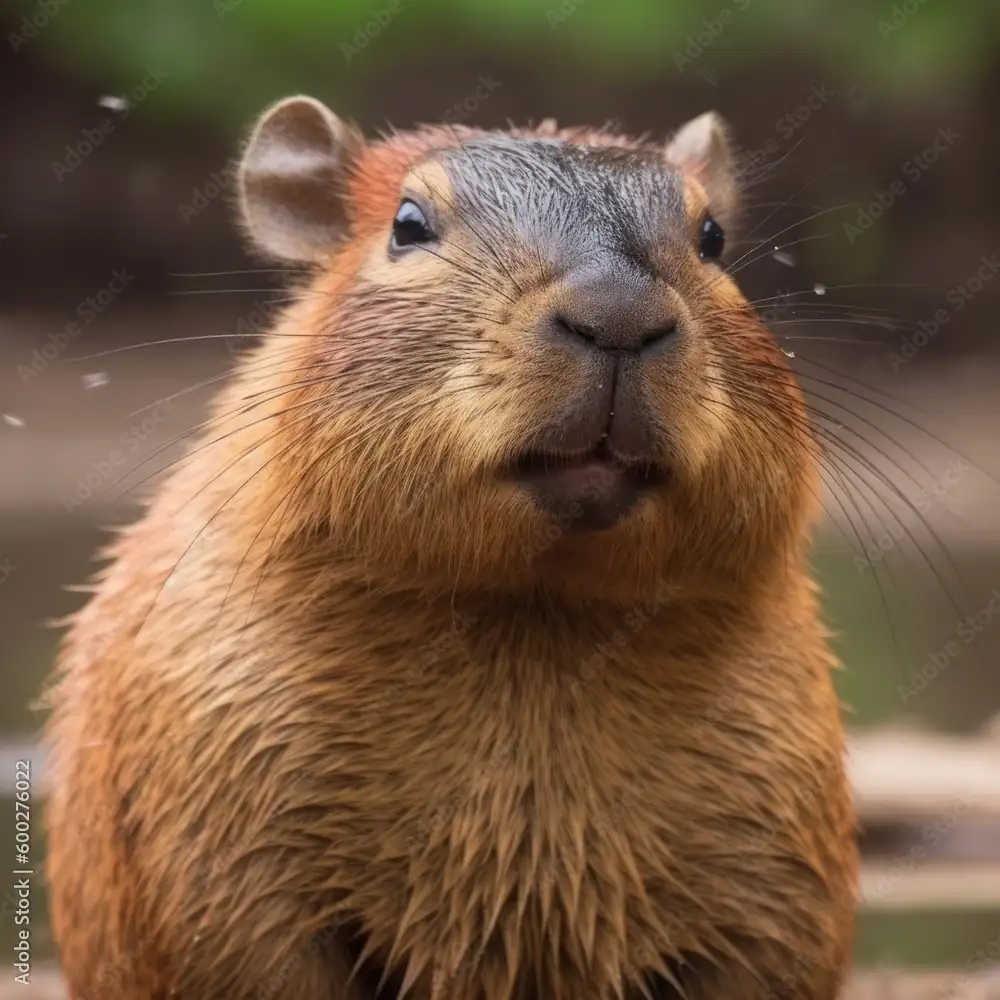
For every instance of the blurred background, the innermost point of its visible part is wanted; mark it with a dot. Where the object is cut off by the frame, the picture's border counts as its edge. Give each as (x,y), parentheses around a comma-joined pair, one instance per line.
(871,152)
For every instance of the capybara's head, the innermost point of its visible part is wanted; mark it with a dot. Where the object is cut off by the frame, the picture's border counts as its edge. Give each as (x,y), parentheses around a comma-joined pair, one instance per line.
(520,358)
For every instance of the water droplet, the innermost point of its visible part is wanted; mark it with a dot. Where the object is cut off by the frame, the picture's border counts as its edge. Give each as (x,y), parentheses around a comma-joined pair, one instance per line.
(9,418)
(788,353)
(95,380)
(113,102)
(783,257)
(819,289)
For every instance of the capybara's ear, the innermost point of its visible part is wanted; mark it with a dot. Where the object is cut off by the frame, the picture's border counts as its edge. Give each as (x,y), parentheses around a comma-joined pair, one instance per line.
(291,179)
(702,149)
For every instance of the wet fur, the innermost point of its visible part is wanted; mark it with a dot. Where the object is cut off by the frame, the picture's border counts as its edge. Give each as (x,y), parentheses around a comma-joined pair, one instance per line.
(337,703)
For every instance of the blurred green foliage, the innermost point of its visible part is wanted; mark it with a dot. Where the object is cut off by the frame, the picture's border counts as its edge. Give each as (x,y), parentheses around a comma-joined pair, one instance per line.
(223,58)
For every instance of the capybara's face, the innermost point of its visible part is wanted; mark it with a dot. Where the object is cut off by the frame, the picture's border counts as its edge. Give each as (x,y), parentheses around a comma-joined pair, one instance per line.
(534,366)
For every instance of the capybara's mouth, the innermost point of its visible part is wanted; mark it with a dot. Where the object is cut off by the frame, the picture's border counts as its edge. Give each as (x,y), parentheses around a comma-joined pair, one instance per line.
(587,491)
(599,464)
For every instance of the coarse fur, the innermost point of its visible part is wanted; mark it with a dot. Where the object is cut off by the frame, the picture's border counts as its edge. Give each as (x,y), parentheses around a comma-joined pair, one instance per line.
(352,707)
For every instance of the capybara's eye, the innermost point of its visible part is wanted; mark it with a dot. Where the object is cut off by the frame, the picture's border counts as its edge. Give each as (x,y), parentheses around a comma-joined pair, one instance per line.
(713,240)
(409,226)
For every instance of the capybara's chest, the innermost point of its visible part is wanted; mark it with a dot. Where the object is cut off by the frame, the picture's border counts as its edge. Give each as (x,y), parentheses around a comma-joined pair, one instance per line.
(554,826)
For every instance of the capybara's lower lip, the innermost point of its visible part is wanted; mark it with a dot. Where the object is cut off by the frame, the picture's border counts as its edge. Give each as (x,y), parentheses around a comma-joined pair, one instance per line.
(589,492)
(595,468)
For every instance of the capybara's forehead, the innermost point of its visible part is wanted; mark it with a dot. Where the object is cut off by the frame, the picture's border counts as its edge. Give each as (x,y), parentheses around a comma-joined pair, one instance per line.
(615,188)
(554,190)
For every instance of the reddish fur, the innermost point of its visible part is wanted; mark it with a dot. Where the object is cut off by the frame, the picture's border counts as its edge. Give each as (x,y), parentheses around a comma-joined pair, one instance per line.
(243,757)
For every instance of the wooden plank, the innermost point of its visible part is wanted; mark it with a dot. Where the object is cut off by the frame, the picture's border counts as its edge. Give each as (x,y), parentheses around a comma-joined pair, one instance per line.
(912,777)
(907,883)
(971,984)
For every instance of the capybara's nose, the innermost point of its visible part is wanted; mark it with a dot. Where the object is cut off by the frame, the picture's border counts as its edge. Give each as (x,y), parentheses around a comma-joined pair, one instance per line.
(612,306)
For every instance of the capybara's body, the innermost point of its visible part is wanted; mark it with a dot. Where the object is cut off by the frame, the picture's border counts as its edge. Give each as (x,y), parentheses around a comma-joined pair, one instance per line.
(356,706)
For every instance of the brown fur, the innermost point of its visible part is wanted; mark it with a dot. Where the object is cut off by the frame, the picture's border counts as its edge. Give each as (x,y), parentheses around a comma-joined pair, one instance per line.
(338,688)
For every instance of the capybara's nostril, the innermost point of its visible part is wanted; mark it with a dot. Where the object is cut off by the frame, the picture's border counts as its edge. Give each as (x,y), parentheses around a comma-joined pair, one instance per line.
(654,339)
(578,330)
